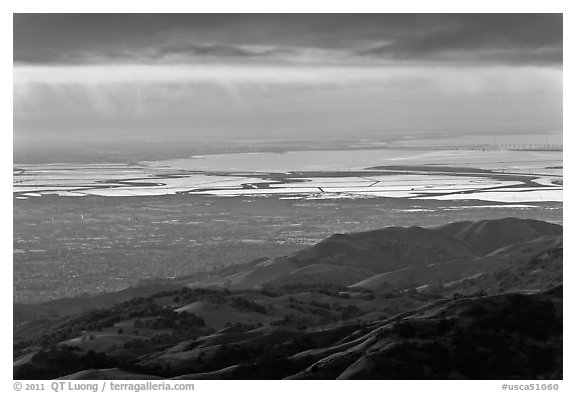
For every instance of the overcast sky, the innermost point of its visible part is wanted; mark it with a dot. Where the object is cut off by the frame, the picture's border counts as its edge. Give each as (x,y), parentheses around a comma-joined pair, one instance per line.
(181,77)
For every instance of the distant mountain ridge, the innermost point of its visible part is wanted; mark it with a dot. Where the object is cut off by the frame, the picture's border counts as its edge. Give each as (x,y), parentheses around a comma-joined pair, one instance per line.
(392,249)
(343,259)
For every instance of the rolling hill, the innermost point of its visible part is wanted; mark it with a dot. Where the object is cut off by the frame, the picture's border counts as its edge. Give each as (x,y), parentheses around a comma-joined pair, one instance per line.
(395,303)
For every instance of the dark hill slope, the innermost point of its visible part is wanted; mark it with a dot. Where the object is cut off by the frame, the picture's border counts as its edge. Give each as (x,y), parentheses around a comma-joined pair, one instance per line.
(486,236)
(540,271)
(395,248)
(437,276)
(508,336)
(75,305)
(384,250)
(106,374)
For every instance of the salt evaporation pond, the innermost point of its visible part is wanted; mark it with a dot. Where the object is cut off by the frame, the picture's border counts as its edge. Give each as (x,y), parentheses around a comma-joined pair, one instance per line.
(497,176)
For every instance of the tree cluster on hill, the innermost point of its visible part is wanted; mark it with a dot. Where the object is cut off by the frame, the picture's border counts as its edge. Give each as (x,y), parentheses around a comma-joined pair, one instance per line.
(55,331)
(56,362)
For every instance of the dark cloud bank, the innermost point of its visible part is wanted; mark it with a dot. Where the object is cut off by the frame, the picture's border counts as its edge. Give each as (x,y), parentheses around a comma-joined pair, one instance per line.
(516,39)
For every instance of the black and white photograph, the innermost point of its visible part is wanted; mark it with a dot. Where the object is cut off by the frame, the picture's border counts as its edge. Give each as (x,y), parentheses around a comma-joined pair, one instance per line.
(287,196)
